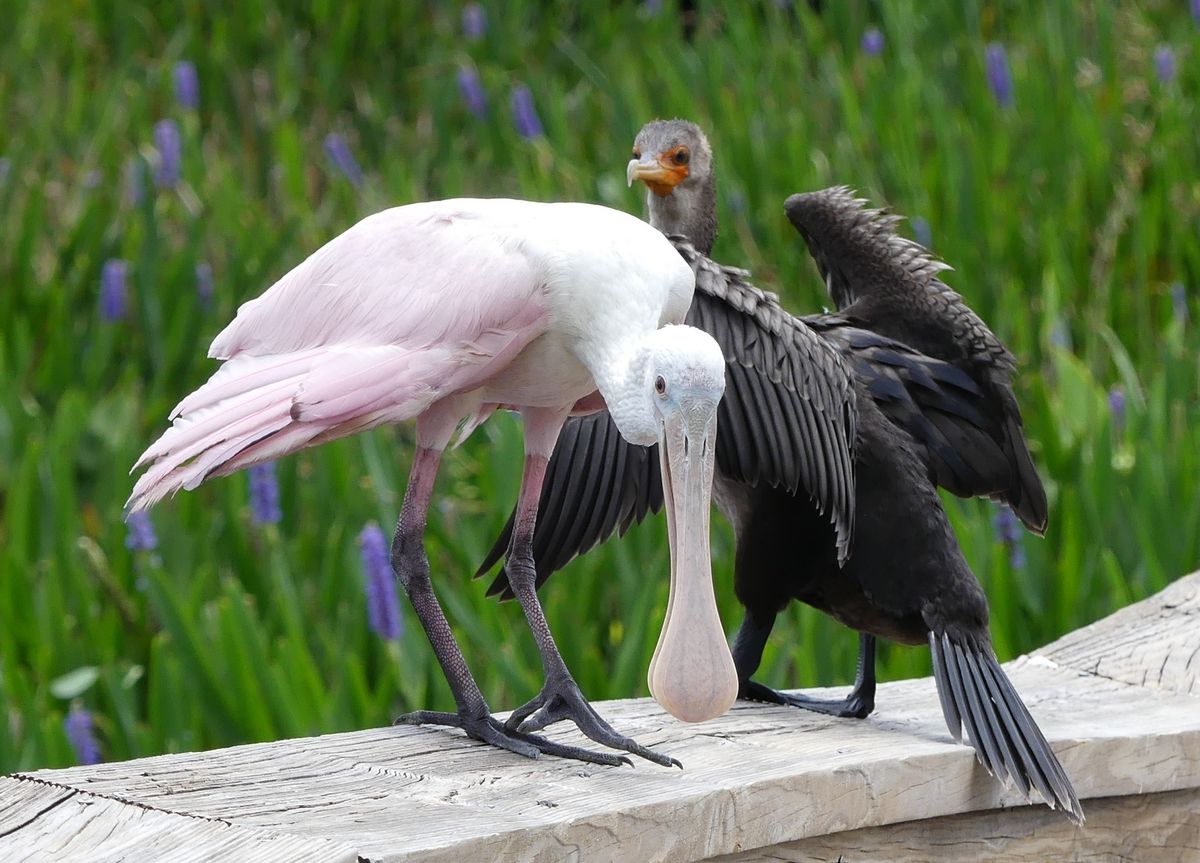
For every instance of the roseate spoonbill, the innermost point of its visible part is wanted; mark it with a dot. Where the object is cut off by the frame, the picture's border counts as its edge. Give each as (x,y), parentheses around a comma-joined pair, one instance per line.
(453,309)
(943,417)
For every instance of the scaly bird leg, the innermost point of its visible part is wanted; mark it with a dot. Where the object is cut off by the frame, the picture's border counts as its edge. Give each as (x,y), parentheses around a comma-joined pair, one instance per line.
(747,653)
(560,697)
(411,566)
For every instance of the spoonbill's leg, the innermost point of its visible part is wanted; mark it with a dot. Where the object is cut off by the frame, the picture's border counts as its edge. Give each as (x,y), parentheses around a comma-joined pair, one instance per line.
(560,697)
(747,653)
(411,566)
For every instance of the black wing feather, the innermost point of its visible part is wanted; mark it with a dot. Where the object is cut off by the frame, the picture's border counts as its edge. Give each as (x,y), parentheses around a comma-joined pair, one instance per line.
(624,483)
(793,393)
(966,442)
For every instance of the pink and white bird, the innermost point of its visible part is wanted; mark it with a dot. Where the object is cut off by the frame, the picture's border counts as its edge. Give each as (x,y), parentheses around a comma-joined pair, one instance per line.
(444,312)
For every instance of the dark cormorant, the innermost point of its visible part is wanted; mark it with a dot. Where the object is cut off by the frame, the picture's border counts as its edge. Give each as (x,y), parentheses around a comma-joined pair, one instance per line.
(935,409)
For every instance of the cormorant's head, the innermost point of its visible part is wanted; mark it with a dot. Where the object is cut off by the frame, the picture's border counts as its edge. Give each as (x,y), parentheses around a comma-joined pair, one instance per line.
(674,160)
(669,154)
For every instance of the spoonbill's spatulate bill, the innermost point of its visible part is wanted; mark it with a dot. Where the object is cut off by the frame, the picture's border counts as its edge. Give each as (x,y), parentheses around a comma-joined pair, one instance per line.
(444,312)
(925,391)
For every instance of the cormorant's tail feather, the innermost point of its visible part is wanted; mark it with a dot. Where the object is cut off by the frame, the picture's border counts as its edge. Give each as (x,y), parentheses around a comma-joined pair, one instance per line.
(976,694)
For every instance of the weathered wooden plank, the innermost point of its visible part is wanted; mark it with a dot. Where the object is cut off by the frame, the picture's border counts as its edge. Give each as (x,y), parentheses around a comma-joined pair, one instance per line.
(1151,643)
(760,773)
(1150,828)
(756,777)
(41,822)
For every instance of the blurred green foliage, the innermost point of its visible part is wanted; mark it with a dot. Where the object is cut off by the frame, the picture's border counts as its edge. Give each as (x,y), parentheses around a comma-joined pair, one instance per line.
(1071,218)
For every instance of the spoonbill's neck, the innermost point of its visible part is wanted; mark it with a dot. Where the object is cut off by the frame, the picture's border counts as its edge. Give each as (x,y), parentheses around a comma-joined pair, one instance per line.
(623,378)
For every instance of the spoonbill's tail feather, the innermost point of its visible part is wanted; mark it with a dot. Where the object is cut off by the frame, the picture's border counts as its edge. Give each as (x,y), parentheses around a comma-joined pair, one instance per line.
(258,408)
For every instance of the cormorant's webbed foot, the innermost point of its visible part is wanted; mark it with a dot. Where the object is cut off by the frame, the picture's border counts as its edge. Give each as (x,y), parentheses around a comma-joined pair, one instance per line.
(559,699)
(856,705)
(488,729)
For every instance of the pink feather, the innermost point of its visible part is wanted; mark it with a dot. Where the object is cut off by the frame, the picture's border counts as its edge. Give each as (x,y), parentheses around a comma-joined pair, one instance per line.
(409,306)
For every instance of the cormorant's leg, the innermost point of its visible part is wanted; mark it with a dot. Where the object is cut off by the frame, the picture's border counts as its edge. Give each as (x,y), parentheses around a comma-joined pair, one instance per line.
(411,566)
(747,651)
(857,705)
(560,697)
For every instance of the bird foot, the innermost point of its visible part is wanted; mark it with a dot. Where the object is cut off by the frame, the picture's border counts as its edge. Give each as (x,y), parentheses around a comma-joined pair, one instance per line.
(856,705)
(561,699)
(488,729)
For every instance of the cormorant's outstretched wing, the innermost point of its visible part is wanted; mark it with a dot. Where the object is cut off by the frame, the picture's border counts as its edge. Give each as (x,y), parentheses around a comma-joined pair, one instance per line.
(885,283)
(788,419)
(788,416)
(944,410)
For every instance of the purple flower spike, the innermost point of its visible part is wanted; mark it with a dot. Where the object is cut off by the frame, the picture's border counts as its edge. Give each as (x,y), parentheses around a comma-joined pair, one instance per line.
(472,91)
(113,291)
(187,85)
(1196,12)
(82,735)
(140,535)
(342,158)
(1116,406)
(170,153)
(1008,532)
(5,170)
(1179,302)
(872,42)
(1060,335)
(135,181)
(1007,527)
(998,75)
(264,494)
(204,284)
(474,22)
(383,608)
(922,232)
(1164,63)
(525,116)
(1016,556)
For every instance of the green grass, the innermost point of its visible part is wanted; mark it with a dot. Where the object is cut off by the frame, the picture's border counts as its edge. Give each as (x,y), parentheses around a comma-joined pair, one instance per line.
(1067,217)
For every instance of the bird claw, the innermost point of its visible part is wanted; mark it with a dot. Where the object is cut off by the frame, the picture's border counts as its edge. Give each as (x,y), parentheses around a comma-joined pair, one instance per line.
(560,700)
(487,729)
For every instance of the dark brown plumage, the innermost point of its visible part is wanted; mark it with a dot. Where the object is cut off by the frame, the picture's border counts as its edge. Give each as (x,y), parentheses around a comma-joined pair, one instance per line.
(910,420)
(890,285)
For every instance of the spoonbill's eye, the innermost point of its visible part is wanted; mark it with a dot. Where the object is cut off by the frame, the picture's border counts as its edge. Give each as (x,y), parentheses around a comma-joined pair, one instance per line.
(660,385)
(637,154)
(681,156)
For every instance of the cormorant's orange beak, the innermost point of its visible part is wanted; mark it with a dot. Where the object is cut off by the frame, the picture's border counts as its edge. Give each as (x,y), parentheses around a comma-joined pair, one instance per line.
(658,171)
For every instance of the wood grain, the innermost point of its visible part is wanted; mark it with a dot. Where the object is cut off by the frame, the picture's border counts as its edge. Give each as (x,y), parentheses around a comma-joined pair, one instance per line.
(1118,701)
(1150,828)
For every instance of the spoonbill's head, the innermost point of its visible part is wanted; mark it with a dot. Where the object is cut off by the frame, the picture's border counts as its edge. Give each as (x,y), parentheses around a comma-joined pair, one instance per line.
(692,673)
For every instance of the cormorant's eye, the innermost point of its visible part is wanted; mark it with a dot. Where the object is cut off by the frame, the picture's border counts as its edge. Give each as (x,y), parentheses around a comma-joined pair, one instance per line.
(681,156)
(660,385)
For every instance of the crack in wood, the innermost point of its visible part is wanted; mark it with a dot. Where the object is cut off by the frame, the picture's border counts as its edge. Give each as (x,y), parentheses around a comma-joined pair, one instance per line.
(70,793)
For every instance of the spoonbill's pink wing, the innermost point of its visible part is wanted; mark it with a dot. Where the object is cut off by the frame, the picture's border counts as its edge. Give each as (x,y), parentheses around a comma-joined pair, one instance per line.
(407,307)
